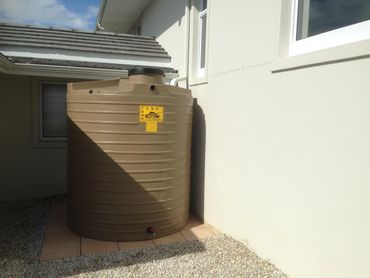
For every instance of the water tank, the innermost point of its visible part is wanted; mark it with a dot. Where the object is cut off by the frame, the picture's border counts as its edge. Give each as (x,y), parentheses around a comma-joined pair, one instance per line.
(129,146)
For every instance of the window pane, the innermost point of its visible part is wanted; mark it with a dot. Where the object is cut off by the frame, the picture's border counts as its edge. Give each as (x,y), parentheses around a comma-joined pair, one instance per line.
(203,41)
(204,5)
(54,114)
(319,16)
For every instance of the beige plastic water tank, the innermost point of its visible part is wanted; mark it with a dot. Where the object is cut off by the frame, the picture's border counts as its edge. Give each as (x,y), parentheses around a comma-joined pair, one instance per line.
(129,146)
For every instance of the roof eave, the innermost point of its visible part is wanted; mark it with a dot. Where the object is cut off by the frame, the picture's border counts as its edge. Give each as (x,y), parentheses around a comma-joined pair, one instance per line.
(66,72)
(122,13)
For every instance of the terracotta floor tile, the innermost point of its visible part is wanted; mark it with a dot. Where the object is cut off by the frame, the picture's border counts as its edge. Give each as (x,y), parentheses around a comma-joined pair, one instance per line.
(61,236)
(90,246)
(60,250)
(135,245)
(60,206)
(58,210)
(58,217)
(193,222)
(58,214)
(169,239)
(57,226)
(61,242)
(57,220)
(199,232)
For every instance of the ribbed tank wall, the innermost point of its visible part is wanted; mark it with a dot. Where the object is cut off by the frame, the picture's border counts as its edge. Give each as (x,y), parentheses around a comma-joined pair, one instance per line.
(123,179)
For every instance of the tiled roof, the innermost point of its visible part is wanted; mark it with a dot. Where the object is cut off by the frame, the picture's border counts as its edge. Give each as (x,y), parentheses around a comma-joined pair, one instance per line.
(38,45)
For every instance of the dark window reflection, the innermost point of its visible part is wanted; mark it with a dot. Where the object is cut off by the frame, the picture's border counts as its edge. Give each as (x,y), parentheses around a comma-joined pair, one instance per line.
(319,16)
(204,4)
(203,43)
(54,110)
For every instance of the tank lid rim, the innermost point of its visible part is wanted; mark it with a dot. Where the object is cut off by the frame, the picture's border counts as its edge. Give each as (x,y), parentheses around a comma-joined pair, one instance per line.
(137,71)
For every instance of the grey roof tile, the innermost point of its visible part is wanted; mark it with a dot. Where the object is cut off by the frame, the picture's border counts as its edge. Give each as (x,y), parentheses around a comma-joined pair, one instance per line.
(100,43)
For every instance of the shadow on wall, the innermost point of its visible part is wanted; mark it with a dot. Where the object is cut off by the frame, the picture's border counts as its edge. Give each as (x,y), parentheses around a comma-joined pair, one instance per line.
(198,152)
(175,14)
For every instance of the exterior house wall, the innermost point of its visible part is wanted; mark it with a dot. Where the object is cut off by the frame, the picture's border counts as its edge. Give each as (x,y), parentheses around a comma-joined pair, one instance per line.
(287,150)
(25,171)
(166,21)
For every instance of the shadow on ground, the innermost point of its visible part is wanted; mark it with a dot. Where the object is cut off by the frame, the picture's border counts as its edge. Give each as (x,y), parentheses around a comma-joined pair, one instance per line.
(22,232)
(111,261)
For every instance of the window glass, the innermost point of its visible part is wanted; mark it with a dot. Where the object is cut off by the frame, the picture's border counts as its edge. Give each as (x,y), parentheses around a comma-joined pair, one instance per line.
(203,41)
(204,5)
(319,16)
(54,113)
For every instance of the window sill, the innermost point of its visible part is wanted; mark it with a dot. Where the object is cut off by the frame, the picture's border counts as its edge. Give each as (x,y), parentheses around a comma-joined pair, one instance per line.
(338,54)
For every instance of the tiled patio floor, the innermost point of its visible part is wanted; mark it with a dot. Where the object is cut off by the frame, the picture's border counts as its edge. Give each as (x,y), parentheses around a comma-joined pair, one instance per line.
(60,242)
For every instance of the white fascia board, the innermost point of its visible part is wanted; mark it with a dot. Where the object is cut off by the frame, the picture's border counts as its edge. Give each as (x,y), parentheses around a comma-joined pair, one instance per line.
(84,56)
(8,67)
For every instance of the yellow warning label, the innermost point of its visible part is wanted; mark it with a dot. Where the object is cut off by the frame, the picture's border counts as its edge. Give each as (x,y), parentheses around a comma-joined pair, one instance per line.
(151,116)
(151,126)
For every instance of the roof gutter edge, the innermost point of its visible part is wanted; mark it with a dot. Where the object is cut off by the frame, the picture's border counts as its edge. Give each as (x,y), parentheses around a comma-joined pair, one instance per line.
(99,18)
(71,72)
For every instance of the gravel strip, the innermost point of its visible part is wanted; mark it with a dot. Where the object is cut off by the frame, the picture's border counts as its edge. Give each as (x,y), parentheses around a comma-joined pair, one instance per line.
(22,228)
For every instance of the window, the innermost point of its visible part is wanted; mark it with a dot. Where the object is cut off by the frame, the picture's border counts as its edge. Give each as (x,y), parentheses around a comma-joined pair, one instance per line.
(49,113)
(198,42)
(319,24)
(202,29)
(53,111)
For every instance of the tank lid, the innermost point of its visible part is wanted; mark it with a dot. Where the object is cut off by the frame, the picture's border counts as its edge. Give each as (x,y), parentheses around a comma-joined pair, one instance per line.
(136,71)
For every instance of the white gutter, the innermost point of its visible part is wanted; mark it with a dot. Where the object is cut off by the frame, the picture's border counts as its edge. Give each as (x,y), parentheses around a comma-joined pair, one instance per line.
(103,4)
(187,47)
(103,58)
(66,72)
(175,81)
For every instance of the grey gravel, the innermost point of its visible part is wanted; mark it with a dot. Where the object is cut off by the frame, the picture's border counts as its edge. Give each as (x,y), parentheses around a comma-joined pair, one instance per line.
(22,228)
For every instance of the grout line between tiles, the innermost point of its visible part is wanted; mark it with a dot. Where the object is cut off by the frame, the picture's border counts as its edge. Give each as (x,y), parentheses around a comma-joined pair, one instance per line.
(181,232)
(183,236)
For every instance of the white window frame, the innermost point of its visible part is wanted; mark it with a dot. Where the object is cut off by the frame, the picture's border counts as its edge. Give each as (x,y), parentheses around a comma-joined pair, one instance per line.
(202,14)
(198,75)
(39,140)
(349,34)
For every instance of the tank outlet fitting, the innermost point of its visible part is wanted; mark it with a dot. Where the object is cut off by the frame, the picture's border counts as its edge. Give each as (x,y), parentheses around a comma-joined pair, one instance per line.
(150,230)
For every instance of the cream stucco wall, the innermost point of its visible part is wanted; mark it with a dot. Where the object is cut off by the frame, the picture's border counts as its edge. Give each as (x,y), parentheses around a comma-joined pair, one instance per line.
(287,154)
(25,171)
(166,21)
